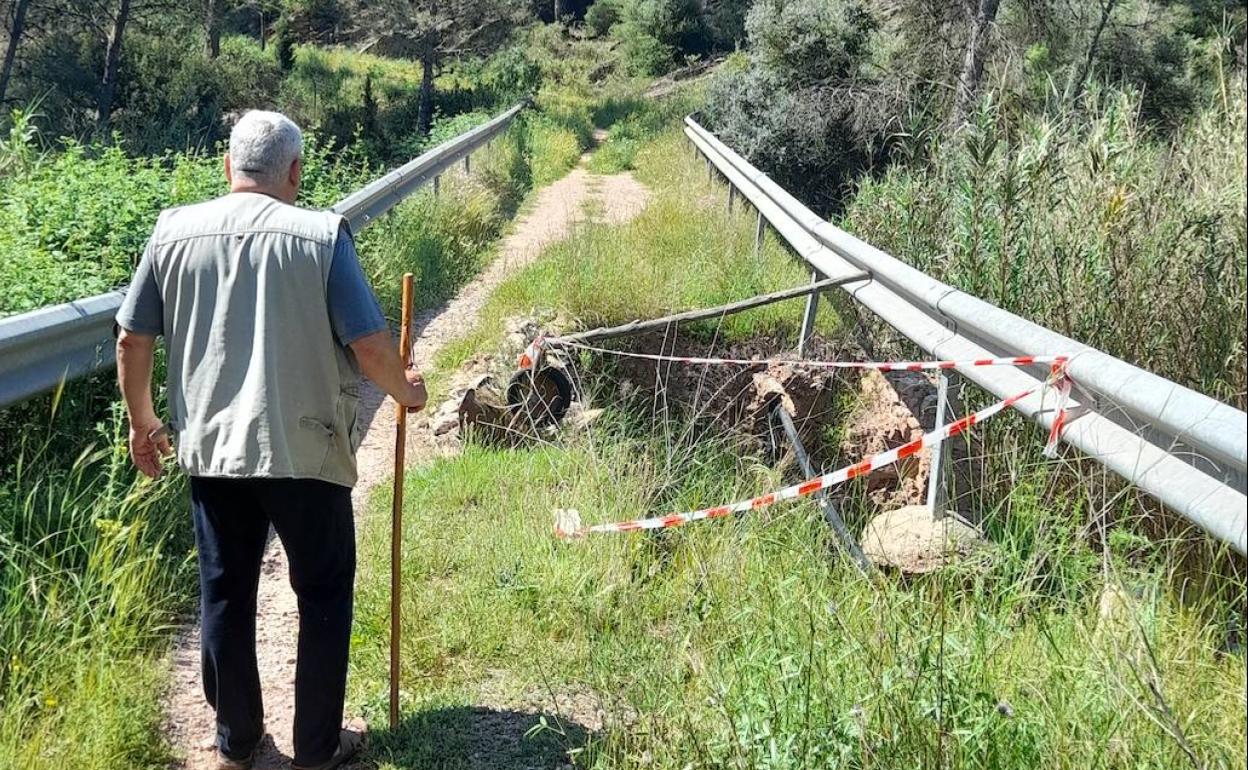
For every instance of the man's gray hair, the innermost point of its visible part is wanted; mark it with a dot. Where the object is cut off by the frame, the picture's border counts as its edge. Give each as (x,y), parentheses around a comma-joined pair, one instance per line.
(263,145)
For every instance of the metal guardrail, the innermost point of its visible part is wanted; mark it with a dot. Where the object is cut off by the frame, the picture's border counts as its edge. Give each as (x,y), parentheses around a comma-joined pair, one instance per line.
(1185,449)
(42,348)
(366,204)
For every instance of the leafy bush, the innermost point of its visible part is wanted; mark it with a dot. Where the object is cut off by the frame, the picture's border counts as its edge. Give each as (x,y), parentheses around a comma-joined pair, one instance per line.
(794,107)
(601,16)
(657,34)
(74,223)
(191,93)
(325,89)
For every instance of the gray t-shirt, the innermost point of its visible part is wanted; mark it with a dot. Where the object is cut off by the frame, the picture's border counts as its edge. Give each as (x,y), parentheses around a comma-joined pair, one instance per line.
(353,308)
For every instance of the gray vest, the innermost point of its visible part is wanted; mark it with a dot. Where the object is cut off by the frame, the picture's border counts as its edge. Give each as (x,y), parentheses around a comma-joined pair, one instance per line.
(258,384)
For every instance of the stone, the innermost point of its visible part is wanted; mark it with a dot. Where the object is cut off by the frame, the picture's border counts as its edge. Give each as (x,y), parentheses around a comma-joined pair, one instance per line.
(912,541)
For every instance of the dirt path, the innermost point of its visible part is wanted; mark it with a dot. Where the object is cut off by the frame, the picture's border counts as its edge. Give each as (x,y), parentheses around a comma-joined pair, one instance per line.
(557,210)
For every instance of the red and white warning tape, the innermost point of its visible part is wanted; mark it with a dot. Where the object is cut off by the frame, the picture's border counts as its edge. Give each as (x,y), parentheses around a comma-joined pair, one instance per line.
(532,355)
(568,524)
(534,351)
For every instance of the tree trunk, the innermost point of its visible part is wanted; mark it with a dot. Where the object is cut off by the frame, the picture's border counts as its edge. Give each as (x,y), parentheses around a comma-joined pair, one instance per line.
(424,112)
(212,27)
(112,64)
(260,11)
(973,61)
(558,11)
(1076,91)
(15,38)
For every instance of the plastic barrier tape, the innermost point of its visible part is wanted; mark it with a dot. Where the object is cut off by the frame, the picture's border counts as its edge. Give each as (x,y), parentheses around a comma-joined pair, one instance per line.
(568,523)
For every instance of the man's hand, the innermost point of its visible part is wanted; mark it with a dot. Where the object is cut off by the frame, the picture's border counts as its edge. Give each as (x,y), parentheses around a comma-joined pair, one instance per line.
(149,444)
(379,360)
(417,396)
(135,353)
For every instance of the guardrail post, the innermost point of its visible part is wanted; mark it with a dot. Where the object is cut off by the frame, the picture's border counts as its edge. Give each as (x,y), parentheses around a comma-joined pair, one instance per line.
(947,407)
(710,172)
(437,184)
(732,196)
(758,235)
(808,318)
(468,163)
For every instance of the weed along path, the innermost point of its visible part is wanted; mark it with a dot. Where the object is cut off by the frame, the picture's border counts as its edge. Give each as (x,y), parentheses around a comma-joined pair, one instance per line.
(577,197)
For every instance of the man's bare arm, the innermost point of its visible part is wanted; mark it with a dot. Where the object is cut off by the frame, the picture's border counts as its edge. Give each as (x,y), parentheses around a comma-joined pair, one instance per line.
(380,362)
(135,356)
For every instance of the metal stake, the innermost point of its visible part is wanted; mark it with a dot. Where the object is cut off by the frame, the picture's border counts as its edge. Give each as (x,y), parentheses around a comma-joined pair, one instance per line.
(938,473)
(830,514)
(808,318)
(758,235)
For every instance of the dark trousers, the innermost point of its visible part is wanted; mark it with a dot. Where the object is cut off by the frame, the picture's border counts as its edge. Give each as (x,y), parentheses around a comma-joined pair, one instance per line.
(314,521)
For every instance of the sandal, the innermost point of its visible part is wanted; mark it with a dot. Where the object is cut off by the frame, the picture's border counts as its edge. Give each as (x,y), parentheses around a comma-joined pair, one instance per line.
(225,763)
(350,743)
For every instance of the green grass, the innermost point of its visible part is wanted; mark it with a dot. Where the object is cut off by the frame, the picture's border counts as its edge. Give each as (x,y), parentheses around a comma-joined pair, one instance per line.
(747,643)
(94,569)
(740,644)
(633,121)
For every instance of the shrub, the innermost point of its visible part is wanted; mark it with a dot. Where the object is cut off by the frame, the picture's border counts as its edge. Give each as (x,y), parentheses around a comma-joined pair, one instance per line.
(190,92)
(601,16)
(795,106)
(74,224)
(657,34)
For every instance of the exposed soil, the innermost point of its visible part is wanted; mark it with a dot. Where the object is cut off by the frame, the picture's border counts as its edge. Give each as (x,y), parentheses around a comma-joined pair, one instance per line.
(190,724)
(866,412)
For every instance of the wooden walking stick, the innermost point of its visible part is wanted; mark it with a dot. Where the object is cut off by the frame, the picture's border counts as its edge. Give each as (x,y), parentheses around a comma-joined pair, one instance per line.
(396,513)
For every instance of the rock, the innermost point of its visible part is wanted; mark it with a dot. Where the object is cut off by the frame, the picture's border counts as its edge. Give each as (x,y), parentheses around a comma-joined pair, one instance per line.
(446,419)
(911,540)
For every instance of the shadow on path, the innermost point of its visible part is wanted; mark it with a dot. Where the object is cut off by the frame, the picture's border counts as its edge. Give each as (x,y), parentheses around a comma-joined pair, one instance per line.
(479,738)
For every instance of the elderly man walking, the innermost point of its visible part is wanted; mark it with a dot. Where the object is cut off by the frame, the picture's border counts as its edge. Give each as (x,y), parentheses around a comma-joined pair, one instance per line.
(268,323)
